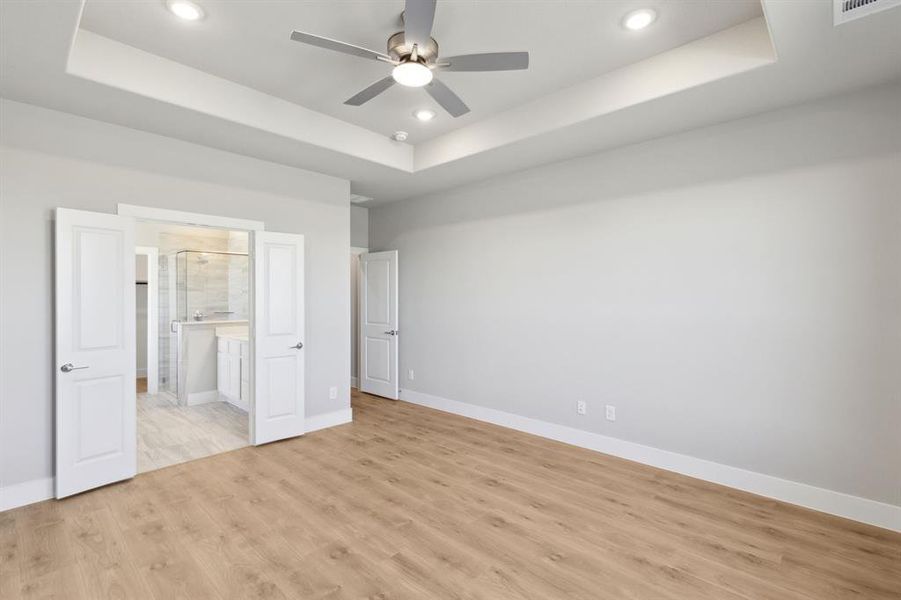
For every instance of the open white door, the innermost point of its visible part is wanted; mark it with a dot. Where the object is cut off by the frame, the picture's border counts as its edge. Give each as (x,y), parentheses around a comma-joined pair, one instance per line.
(378,324)
(279,380)
(95,350)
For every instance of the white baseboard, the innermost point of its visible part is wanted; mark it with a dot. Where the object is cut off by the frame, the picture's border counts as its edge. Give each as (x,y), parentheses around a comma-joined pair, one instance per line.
(338,417)
(872,512)
(354,382)
(203,397)
(29,492)
(242,404)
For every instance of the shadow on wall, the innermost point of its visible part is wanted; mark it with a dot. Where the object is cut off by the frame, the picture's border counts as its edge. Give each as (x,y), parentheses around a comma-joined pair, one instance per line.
(839,128)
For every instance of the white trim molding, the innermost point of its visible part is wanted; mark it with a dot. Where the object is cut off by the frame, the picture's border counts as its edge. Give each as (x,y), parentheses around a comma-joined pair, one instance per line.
(331,419)
(859,509)
(195,398)
(354,382)
(28,492)
(151,372)
(148,213)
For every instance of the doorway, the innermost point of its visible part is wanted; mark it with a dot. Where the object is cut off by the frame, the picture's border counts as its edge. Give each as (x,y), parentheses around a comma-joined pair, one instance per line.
(378,324)
(193,383)
(95,348)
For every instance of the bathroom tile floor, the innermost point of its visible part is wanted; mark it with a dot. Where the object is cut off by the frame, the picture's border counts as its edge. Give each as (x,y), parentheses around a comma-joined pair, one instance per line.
(169,434)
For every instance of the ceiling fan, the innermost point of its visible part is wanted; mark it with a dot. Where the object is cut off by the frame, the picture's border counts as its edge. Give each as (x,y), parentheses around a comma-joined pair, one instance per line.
(414,54)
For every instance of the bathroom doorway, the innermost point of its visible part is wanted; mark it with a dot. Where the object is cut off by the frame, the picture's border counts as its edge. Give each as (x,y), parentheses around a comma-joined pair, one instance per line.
(193,383)
(96,314)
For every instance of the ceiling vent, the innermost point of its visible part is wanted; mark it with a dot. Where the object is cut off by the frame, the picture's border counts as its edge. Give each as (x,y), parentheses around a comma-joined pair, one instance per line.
(848,10)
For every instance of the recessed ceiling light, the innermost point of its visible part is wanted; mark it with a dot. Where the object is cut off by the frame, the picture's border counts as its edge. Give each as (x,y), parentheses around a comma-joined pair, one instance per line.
(639,19)
(184,9)
(424,114)
(399,136)
(412,74)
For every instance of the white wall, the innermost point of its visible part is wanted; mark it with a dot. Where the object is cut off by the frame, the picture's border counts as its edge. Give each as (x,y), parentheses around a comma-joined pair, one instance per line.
(359,238)
(359,226)
(734,291)
(50,159)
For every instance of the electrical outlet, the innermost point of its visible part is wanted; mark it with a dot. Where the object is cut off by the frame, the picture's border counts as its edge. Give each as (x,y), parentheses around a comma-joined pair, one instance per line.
(611,413)
(411,375)
(333,393)
(581,407)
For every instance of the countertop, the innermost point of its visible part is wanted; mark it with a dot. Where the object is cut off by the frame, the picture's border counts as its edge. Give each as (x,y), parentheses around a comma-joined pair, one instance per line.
(214,322)
(233,333)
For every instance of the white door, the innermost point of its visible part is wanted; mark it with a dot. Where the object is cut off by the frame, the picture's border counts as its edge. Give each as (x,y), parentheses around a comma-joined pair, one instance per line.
(378,324)
(278,354)
(95,350)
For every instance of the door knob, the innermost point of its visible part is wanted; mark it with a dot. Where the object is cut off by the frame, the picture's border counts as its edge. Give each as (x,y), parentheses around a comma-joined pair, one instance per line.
(297,346)
(69,367)
(392,332)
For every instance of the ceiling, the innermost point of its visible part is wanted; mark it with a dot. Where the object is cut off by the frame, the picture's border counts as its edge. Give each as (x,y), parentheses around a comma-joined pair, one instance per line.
(248,43)
(260,95)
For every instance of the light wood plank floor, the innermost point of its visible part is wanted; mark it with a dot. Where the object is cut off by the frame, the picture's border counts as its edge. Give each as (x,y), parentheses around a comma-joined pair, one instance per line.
(407,502)
(169,434)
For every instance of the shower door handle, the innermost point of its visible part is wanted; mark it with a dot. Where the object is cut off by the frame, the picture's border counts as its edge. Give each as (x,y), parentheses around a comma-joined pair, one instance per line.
(296,346)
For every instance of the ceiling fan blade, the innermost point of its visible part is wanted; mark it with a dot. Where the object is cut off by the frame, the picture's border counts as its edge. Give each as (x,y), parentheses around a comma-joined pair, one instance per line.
(491,61)
(448,100)
(371,92)
(343,47)
(418,18)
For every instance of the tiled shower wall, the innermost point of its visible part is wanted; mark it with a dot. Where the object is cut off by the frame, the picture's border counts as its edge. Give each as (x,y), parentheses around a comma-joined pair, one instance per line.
(216,285)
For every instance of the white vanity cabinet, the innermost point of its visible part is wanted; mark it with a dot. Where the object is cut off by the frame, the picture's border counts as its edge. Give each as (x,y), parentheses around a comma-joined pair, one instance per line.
(233,368)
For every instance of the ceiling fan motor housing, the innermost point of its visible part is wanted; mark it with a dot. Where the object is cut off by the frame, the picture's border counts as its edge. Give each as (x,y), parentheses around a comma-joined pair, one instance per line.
(400,51)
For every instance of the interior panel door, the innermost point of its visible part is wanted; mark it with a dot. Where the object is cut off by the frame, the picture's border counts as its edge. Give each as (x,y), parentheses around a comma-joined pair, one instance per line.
(378,324)
(96,435)
(278,352)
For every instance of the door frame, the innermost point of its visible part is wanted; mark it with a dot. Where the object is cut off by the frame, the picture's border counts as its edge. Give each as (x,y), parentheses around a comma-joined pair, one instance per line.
(357,277)
(178,217)
(153,311)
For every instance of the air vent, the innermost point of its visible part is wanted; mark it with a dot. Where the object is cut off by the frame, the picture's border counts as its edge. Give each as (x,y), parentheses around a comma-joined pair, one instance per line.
(848,10)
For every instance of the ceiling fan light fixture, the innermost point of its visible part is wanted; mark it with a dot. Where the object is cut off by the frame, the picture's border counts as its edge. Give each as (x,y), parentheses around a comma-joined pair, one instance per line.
(412,74)
(184,9)
(639,19)
(424,114)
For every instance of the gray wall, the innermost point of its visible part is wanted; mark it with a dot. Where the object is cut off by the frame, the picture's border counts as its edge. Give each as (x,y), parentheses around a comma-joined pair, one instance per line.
(359,238)
(734,291)
(50,159)
(359,226)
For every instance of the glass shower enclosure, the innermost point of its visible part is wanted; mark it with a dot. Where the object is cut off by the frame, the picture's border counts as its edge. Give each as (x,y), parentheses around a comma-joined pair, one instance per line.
(197,286)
